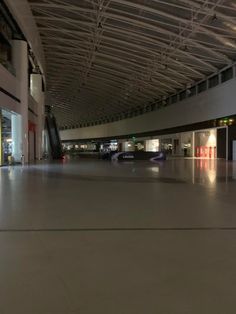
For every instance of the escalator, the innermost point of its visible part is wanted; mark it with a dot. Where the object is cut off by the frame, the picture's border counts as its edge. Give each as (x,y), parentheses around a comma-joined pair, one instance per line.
(53,136)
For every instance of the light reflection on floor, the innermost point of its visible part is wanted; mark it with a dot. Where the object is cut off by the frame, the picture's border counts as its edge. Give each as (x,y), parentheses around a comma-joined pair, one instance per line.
(91,236)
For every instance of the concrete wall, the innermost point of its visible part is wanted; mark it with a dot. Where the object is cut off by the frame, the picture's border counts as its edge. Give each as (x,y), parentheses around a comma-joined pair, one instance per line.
(10,84)
(214,103)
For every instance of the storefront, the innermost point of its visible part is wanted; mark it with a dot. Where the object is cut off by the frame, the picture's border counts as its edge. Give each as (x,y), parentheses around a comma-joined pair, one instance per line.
(128,146)
(5,137)
(10,137)
(178,144)
(153,145)
(110,146)
(202,143)
(166,145)
(133,145)
(206,143)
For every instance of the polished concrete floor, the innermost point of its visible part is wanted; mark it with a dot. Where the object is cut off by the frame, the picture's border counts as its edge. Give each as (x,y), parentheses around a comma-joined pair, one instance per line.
(91,237)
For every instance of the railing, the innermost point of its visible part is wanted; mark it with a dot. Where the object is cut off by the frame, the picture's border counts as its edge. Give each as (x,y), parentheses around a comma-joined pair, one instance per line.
(223,75)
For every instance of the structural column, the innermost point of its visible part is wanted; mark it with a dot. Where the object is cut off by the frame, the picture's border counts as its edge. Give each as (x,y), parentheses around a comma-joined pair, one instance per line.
(20,63)
(36,88)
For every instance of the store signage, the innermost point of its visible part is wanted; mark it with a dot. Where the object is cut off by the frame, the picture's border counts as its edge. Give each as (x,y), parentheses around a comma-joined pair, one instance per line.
(139,155)
(128,156)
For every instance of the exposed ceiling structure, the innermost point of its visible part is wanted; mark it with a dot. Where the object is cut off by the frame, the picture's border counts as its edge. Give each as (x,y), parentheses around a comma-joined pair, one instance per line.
(106,58)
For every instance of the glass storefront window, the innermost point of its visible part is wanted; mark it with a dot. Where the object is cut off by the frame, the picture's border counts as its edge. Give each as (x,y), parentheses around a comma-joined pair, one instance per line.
(205,143)
(167,146)
(6,137)
(152,145)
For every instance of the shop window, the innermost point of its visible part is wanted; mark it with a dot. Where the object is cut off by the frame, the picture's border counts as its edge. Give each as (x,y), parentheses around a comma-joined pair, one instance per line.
(213,81)
(6,136)
(227,75)
(152,145)
(166,146)
(139,146)
(205,143)
(202,86)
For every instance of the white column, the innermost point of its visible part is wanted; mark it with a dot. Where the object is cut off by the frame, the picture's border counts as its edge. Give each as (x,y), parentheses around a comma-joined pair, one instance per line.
(227,143)
(16,129)
(193,144)
(36,90)
(20,63)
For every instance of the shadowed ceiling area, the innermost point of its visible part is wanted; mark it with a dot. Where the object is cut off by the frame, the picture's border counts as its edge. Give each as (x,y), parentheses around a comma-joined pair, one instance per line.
(106,59)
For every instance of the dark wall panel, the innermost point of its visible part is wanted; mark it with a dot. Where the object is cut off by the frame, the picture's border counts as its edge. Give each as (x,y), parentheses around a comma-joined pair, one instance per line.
(231,138)
(221,143)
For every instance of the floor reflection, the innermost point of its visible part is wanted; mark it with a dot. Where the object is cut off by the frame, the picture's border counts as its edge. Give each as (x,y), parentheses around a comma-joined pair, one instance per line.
(205,171)
(195,171)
